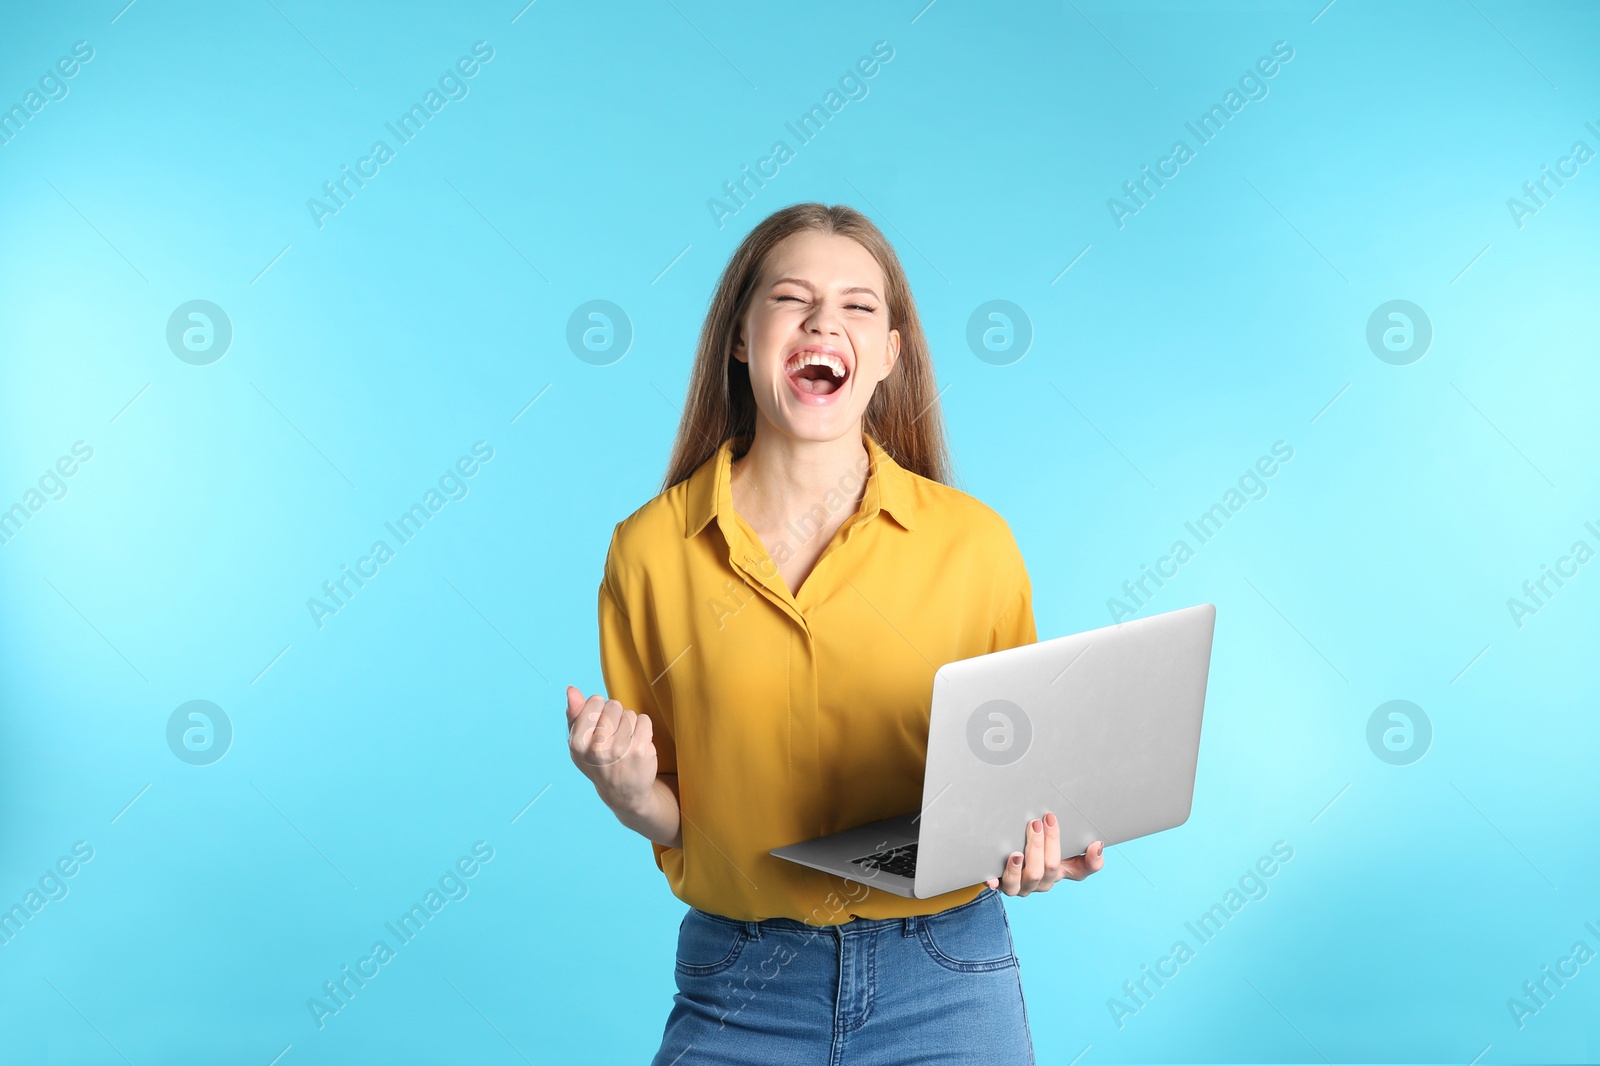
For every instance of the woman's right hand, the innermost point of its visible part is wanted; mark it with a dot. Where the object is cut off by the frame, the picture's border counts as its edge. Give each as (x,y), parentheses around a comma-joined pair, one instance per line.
(613,747)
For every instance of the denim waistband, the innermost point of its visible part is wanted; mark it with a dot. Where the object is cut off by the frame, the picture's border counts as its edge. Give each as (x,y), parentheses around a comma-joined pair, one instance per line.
(907,925)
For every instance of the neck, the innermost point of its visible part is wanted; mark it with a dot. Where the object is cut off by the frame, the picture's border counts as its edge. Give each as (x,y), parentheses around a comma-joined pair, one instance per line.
(783,478)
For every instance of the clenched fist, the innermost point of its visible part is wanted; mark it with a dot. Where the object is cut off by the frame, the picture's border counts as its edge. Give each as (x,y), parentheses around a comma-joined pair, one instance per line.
(613,747)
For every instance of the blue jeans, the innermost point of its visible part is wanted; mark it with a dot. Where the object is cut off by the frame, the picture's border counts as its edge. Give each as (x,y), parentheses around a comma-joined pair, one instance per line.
(929,989)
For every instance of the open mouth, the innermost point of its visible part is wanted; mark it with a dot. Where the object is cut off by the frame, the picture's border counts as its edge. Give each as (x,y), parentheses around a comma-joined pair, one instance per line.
(817,373)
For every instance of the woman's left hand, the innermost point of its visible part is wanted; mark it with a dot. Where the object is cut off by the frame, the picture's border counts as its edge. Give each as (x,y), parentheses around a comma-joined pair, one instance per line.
(1041,866)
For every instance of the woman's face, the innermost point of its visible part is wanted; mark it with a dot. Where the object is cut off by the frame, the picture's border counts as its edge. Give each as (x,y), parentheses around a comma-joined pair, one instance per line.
(816,336)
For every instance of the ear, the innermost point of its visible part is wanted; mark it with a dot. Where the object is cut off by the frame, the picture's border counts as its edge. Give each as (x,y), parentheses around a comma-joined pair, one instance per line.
(892,356)
(740,352)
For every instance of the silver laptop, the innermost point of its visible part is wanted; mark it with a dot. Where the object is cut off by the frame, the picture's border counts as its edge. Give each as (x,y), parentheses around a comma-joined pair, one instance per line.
(1101,727)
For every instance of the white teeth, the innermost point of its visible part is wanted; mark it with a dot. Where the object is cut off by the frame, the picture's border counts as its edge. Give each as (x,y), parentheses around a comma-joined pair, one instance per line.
(805,359)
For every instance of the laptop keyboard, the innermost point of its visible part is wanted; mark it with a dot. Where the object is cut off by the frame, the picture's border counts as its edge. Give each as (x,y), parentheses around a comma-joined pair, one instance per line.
(901,860)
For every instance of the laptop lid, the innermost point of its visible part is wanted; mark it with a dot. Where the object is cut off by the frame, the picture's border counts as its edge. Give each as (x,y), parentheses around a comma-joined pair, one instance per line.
(1101,727)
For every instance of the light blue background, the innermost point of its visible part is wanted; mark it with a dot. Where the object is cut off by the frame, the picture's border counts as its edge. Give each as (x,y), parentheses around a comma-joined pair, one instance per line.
(370,353)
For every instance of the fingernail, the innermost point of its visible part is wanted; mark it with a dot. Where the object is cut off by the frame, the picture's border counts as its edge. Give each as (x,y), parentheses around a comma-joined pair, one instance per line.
(1050,820)
(1016,860)
(1036,825)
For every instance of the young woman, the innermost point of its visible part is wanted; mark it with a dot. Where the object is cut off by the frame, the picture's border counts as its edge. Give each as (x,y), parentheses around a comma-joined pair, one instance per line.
(769,629)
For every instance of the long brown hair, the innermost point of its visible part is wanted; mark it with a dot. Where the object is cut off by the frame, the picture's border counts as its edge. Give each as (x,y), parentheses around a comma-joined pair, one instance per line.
(903,415)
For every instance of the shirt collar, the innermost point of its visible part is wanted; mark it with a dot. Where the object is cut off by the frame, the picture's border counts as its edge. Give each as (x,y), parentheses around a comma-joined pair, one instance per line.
(888,488)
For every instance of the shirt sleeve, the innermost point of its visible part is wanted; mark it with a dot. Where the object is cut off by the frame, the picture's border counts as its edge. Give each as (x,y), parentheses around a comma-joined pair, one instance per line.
(628,682)
(1015,627)
(626,679)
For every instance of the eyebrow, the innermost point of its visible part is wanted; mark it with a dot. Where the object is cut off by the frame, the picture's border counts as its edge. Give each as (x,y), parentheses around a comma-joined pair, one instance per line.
(806,284)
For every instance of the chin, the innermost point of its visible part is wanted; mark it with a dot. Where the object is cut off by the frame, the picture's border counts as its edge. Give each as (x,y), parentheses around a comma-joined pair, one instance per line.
(818,426)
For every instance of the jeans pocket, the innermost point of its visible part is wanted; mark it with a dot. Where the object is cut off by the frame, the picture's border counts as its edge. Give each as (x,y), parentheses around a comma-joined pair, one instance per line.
(971,938)
(708,945)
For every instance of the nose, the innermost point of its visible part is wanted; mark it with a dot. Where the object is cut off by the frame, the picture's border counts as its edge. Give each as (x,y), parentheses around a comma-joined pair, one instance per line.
(823,319)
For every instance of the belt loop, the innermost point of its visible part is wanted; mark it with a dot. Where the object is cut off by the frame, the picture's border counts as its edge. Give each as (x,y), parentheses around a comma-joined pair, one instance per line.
(752,930)
(908,925)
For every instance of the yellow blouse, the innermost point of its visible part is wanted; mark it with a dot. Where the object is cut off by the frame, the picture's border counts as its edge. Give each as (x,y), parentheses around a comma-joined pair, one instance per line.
(788,717)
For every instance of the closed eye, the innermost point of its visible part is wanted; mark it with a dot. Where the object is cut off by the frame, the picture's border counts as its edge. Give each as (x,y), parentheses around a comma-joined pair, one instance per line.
(853,307)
